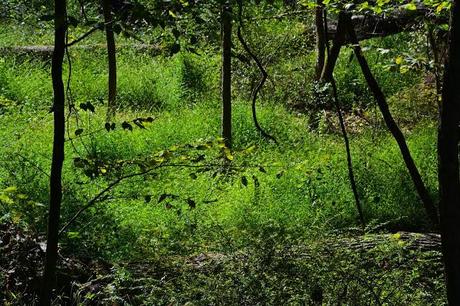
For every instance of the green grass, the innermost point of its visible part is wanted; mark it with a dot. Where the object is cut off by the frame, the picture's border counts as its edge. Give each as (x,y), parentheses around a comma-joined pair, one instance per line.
(293,193)
(312,193)
(182,93)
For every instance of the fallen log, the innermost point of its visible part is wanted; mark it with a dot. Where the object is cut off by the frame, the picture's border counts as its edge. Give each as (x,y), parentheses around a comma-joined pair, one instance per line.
(399,20)
(45,52)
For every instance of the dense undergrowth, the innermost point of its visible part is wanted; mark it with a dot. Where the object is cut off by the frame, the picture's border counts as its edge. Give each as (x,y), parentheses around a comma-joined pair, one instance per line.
(289,193)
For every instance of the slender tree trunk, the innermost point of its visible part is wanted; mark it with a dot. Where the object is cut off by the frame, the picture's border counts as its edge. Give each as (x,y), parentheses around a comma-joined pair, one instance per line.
(346,141)
(333,55)
(112,59)
(437,64)
(351,174)
(49,277)
(320,39)
(263,72)
(393,127)
(328,66)
(449,181)
(226,19)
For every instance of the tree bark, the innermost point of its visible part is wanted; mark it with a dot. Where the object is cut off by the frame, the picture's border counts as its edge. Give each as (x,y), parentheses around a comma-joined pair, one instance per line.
(226,20)
(351,175)
(334,52)
(263,73)
(343,128)
(320,39)
(449,181)
(112,59)
(49,276)
(393,127)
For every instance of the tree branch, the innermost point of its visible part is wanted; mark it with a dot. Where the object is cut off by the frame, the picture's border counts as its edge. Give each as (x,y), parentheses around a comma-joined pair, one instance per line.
(98,27)
(100,194)
(262,71)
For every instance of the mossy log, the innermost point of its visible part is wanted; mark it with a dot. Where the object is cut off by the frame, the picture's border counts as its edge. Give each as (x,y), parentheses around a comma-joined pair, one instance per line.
(45,52)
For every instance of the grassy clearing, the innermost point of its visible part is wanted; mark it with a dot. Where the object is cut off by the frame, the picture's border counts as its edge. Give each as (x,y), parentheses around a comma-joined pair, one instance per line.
(305,188)
(288,194)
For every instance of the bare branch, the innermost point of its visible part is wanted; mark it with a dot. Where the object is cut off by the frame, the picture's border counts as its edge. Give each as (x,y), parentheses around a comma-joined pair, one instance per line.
(262,71)
(98,27)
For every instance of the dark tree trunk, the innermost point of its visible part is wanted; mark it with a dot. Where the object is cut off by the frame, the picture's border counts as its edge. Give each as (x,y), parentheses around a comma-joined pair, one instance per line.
(334,52)
(112,59)
(449,181)
(343,128)
(320,39)
(433,47)
(263,72)
(351,175)
(226,19)
(49,277)
(393,127)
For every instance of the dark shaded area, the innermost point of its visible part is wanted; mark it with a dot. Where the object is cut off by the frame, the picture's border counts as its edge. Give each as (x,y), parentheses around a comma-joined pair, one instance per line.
(21,267)
(369,26)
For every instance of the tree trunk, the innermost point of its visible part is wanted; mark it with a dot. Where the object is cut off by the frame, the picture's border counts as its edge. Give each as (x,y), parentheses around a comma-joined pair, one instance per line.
(226,19)
(433,47)
(333,54)
(112,59)
(449,181)
(351,175)
(392,126)
(343,128)
(49,277)
(263,73)
(320,39)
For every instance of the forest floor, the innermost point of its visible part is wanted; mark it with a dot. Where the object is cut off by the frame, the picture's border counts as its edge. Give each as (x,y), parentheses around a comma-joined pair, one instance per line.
(91,281)
(280,227)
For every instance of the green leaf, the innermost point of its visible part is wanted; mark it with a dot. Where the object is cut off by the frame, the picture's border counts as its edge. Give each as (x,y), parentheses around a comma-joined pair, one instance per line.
(139,123)
(256,181)
(10,189)
(411,6)
(73,235)
(90,106)
(279,174)
(78,132)
(244,181)
(404,69)
(175,49)
(444,27)
(191,203)
(228,154)
(80,162)
(162,197)
(5,199)
(126,126)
